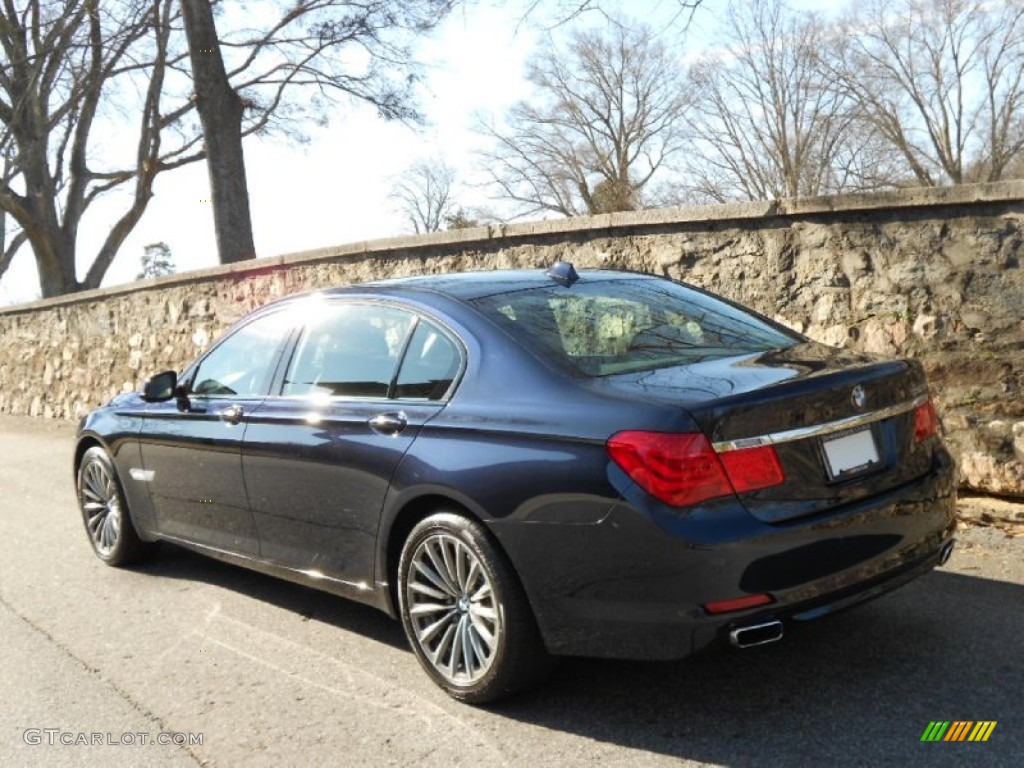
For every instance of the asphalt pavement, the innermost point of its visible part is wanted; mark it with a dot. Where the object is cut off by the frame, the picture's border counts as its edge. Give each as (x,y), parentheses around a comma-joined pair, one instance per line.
(233,668)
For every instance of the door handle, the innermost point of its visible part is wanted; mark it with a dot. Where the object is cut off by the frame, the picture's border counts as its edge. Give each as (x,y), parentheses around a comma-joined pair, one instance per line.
(388,423)
(232,414)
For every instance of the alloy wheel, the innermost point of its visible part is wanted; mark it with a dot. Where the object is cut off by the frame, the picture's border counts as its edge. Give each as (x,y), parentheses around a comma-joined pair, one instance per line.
(101,506)
(453,609)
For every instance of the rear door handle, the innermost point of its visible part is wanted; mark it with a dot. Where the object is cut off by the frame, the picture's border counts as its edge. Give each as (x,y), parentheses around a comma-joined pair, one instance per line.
(232,414)
(388,423)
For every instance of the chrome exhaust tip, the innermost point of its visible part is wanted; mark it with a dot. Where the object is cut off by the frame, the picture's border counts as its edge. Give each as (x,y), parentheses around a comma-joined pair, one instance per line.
(756,634)
(945,553)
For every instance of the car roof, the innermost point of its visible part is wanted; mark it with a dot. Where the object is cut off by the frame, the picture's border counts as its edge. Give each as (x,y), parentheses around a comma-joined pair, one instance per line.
(461,287)
(475,285)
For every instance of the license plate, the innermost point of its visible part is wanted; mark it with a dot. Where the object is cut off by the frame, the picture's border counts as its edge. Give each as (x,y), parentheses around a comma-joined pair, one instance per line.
(850,454)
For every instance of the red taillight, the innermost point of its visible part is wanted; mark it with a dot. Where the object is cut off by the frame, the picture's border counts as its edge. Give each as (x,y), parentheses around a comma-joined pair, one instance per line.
(678,469)
(683,469)
(738,604)
(752,468)
(926,421)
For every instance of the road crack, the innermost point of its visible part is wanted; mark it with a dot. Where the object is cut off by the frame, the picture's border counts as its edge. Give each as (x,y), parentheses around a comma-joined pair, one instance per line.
(134,703)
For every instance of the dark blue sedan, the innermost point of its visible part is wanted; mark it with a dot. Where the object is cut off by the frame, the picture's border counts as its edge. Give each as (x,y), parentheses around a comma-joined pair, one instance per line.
(528,464)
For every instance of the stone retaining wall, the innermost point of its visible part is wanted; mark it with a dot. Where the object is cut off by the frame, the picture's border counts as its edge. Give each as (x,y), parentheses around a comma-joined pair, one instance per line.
(930,273)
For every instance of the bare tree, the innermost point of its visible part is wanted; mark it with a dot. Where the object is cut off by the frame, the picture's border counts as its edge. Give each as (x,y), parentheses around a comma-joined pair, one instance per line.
(220,112)
(769,122)
(610,112)
(324,48)
(59,60)
(423,194)
(8,248)
(942,81)
(565,11)
(73,72)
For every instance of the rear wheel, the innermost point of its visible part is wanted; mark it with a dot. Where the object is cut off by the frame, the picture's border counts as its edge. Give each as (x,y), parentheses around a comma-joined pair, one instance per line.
(465,613)
(105,513)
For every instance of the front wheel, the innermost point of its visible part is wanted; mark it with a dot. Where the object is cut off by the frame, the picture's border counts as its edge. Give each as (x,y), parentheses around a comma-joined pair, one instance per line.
(105,513)
(465,613)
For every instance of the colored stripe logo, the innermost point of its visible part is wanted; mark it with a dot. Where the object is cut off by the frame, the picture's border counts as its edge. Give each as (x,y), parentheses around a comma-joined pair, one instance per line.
(958,730)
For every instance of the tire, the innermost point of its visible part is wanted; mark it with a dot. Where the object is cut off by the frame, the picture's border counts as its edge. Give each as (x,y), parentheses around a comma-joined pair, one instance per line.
(465,613)
(105,513)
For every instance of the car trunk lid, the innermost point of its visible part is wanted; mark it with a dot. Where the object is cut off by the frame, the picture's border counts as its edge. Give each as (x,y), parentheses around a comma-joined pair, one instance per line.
(842,425)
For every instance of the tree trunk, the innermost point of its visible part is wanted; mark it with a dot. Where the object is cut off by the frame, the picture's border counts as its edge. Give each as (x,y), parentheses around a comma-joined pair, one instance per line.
(52,242)
(55,260)
(220,112)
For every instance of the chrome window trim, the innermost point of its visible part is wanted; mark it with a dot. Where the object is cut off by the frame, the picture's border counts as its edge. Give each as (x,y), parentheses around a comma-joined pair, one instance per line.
(820,430)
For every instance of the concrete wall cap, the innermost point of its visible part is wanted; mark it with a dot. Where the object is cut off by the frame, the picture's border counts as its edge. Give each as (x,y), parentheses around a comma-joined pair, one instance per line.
(501,235)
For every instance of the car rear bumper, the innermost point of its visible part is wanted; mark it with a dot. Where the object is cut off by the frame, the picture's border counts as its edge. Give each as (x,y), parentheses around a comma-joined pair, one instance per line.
(635,584)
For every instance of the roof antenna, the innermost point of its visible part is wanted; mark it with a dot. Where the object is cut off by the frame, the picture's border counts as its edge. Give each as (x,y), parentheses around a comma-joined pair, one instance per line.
(563,273)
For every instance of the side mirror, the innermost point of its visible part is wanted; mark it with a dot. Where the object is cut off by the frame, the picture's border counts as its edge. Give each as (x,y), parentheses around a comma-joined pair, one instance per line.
(160,387)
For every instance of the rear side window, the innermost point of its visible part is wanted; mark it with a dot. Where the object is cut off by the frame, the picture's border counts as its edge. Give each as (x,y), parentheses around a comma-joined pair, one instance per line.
(604,327)
(349,350)
(430,365)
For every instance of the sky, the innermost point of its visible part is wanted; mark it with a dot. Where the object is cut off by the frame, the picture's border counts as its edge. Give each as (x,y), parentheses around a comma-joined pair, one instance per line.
(334,189)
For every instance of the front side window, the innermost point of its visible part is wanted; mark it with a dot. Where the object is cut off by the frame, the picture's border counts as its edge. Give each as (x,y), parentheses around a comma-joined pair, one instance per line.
(242,364)
(350,350)
(603,327)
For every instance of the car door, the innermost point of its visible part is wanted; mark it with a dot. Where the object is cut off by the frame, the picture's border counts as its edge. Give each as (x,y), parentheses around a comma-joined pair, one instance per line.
(318,458)
(191,445)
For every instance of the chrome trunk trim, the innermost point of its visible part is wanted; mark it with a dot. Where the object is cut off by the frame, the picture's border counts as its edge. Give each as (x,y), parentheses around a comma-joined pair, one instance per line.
(820,430)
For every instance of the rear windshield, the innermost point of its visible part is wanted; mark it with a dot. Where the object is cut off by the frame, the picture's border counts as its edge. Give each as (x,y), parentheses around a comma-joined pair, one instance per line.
(604,327)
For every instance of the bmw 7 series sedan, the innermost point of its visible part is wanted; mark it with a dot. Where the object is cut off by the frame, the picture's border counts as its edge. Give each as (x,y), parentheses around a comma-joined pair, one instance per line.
(520,465)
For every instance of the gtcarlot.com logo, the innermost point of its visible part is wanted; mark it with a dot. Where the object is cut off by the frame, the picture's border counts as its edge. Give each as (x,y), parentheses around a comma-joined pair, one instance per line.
(958,730)
(52,737)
